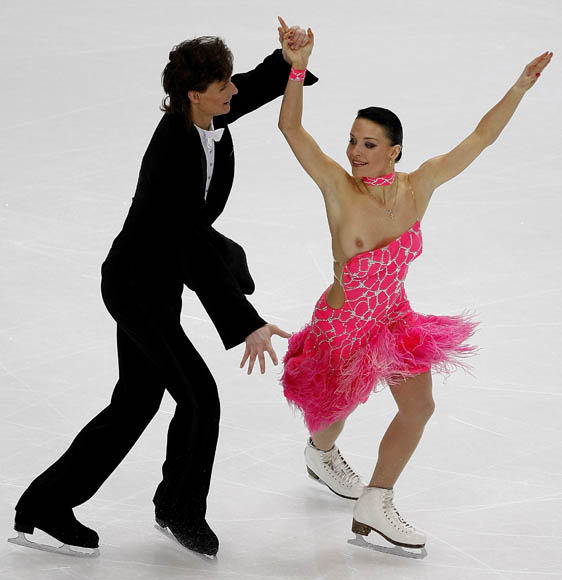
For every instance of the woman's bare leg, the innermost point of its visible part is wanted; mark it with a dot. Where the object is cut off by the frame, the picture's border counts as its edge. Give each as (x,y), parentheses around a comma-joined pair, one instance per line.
(415,407)
(325,439)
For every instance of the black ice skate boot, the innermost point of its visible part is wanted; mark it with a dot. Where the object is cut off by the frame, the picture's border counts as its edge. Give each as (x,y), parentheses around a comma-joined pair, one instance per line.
(77,539)
(195,536)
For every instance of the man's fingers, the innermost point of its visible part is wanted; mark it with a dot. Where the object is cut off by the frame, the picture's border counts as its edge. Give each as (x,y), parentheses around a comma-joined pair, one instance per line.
(273,355)
(300,38)
(244,358)
(279,332)
(251,365)
(262,362)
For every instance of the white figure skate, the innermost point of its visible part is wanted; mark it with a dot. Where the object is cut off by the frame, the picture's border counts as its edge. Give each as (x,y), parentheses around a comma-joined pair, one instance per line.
(331,469)
(375,512)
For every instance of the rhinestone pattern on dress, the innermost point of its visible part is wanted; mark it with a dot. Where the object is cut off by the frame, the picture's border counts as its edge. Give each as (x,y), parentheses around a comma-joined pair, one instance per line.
(375,338)
(373,283)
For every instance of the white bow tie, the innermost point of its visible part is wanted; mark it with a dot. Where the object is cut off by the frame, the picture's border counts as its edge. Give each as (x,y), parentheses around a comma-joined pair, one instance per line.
(213,136)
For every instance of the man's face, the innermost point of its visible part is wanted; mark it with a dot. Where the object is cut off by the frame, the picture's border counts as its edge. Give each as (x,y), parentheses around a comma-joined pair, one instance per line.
(216,99)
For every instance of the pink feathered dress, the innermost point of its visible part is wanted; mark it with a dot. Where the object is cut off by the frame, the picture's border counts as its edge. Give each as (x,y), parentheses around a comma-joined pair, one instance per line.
(374,339)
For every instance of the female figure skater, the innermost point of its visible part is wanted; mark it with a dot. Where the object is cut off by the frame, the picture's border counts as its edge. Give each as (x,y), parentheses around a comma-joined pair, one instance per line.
(363,332)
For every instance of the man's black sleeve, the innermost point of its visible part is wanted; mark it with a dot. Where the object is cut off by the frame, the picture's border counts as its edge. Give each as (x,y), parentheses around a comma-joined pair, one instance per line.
(259,86)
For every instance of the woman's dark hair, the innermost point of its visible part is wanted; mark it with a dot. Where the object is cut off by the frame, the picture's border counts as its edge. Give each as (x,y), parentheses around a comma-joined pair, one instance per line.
(194,64)
(388,121)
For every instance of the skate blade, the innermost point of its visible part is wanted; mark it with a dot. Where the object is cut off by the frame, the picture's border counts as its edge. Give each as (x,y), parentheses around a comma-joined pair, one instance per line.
(168,534)
(65,549)
(360,541)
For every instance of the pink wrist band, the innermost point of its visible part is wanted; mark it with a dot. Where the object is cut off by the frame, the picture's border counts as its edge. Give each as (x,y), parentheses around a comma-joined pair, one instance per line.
(297,75)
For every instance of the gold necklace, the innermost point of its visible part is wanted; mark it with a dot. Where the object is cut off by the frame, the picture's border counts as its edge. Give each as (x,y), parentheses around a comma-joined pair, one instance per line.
(389,211)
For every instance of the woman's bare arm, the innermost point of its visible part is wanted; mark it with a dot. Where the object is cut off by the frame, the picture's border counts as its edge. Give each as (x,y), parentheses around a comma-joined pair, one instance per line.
(438,170)
(323,170)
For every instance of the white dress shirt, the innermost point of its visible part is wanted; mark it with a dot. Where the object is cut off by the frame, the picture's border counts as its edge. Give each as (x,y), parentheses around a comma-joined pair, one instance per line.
(208,139)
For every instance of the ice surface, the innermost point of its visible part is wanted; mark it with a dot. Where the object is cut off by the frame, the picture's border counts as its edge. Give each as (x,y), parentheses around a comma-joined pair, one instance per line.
(80,96)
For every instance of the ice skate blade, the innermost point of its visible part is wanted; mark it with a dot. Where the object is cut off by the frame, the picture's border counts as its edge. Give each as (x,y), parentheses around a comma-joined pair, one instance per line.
(365,530)
(313,476)
(394,550)
(65,549)
(205,557)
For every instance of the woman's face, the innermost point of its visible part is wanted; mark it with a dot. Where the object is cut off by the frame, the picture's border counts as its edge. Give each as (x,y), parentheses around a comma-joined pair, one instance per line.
(369,150)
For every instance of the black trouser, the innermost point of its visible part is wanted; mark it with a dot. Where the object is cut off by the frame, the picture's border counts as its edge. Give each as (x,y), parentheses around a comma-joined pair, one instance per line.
(154,354)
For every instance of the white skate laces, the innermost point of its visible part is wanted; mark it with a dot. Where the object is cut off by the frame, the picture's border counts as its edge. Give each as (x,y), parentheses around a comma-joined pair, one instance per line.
(375,511)
(341,467)
(331,469)
(393,515)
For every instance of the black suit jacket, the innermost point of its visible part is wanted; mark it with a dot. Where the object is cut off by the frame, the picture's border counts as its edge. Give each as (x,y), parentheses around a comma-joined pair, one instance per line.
(168,240)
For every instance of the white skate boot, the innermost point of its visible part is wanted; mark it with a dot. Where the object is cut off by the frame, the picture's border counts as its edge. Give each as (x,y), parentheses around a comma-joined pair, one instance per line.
(331,469)
(374,511)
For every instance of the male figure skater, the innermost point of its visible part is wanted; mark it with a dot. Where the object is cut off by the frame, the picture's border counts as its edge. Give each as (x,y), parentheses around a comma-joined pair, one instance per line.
(168,241)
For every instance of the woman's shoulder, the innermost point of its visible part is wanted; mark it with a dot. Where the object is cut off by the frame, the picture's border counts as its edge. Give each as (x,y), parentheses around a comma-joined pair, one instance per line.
(340,187)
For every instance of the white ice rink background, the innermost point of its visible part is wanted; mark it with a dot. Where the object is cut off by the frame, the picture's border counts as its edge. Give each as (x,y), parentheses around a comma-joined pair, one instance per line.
(79,102)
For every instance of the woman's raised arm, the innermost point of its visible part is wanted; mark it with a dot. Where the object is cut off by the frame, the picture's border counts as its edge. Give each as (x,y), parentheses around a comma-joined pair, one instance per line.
(438,170)
(323,170)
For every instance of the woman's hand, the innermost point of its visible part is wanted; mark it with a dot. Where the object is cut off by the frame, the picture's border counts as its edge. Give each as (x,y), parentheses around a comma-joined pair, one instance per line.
(533,71)
(297,44)
(258,343)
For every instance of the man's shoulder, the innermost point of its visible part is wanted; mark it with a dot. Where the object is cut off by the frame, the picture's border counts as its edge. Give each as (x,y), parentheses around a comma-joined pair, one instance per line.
(172,131)
(171,123)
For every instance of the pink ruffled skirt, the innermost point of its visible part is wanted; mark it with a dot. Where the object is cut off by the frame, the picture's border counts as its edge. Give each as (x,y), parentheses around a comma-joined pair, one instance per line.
(333,364)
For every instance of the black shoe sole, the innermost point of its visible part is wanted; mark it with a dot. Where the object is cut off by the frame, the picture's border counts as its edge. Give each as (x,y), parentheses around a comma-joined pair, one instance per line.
(26,523)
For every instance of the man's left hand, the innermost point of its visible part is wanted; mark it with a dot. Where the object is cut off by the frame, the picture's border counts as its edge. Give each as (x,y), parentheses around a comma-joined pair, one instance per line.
(258,343)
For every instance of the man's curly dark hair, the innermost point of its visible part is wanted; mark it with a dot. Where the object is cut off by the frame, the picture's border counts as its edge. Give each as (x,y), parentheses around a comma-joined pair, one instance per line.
(194,64)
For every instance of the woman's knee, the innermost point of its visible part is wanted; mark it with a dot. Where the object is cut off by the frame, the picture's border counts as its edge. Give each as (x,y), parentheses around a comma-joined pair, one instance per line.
(414,399)
(427,409)
(418,410)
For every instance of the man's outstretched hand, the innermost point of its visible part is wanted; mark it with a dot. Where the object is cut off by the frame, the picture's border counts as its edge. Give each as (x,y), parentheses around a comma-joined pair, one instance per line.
(258,343)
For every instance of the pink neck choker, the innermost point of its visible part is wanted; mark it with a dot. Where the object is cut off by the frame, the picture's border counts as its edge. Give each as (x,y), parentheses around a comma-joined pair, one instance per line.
(382,180)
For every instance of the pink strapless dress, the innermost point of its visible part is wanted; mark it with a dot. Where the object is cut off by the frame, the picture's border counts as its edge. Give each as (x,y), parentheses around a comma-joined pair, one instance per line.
(373,340)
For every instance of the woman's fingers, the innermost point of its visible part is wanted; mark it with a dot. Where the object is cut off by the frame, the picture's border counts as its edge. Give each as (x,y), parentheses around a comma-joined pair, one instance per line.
(542,60)
(310,35)
(283,24)
(537,65)
(545,61)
